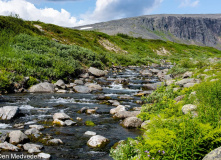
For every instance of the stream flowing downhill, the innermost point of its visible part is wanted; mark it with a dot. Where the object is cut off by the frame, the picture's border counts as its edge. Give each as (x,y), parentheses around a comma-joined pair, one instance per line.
(38,108)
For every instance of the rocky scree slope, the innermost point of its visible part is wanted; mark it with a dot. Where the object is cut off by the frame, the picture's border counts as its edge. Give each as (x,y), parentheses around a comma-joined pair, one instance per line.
(204,30)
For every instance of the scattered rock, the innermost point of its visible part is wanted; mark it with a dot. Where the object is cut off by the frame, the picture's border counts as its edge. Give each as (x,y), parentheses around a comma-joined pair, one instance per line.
(146,73)
(132,122)
(19,125)
(114,102)
(82,89)
(61,116)
(83,110)
(187,85)
(169,82)
(8,112)
(187,74)
(44,156)
(145,124)
(78,81)
(182,82)
(97,72)
(17,137)
(91,111)
(97,141)
(59,122)
(152,86)
(154,71)
(61,91)
(69,122)
(93,86)
(117,109)
(42,88)
(213,155)
(179,98)
(79,119)
(85,75)
(55,142)
(9,147)
(33,131)
(38,127)
(32,148)
(60,83)
(126,114)
(90,133)
(188,108)
(143,93)
(125,97)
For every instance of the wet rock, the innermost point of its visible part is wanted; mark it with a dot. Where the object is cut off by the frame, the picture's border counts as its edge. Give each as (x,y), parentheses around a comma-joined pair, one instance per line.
(61,91)
(85,75)
(167,77)
(8,112)
(82,89)
(121,81)
(79,82)
(17,137)
(187,74)
(169,82)
(143,93)
(126,114)
(187,85)
(42,88)
(117,109)
(90,133)
(182,82)
(91,111)
(125,97)
(145,124)
(19,125)
(213,155)
(93,86)
(83,110)
(101,97)
(114,102)
(60,83)
(44,156)
(137,108)
(146,73)
(9,147)
(154,71)
(38,127)
(97,72)
(3,136)
(61,116)
(152,86)
(188,108)
(34,132)
(179,98)
(132,122)
(69,122)
(32,148)
(55,142)
(59,122)
(79,119)
(97,141)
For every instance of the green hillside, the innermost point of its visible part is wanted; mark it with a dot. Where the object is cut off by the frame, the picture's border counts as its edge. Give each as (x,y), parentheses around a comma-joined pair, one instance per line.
(48,52)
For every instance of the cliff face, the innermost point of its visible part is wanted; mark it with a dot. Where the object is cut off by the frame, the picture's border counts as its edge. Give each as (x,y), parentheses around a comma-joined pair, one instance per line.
(202,30)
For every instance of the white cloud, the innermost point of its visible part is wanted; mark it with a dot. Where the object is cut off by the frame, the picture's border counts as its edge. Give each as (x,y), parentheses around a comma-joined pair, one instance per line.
(105,10)
(189,3)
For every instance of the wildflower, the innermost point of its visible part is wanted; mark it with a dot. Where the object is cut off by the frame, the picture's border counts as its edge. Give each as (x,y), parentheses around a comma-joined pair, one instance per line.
(163,152)
(159,151)
(153,158)
(148,155)
(146,151)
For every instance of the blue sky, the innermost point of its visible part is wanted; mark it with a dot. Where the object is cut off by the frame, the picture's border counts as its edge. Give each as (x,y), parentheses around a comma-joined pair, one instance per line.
(72,13)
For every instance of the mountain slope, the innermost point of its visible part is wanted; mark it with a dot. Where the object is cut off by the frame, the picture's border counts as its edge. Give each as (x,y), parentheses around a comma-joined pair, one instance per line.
(204,30)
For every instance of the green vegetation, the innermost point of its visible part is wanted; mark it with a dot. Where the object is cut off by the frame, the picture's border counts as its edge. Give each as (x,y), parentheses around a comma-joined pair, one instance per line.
(89,123)
(172,135)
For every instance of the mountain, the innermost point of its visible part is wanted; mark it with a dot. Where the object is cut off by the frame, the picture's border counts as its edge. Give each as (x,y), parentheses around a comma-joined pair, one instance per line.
(202,29)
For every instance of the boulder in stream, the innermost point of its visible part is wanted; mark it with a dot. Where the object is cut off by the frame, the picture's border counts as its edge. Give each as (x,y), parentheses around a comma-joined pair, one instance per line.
(32,148)
(61,116)
(44,156)
(8,112)
(82,89)
(152,86)
(42,88)
(8,147)
(132,122)
(97,72)
(93,86)
(97,141)
(117,109)
(126,114)
(17,137)
(55,142)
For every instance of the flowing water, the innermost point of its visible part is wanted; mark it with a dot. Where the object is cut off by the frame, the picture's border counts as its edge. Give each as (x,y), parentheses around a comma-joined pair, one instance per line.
(39,109)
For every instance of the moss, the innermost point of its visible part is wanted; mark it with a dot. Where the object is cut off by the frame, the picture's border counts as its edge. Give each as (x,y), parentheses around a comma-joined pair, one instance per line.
(89,123)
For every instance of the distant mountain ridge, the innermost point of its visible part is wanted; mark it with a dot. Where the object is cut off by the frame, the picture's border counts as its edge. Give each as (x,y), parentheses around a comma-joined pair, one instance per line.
(201,29)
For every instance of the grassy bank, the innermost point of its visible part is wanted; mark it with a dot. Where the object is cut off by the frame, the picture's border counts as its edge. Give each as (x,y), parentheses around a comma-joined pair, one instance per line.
(49,52)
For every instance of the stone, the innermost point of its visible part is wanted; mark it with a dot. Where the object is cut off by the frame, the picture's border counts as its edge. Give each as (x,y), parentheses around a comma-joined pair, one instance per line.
(17,137)
(85,75)
(182,82)
(154,71)
(8,112)
(188,108)
(152,86)
(59,83)
(93,86)
(179,98)
(82,89)
(32,131)
(213,155)
(126,114)
(187,74)
(38,127)
(146,73)
(19,125)
(69,122)
(91,111)
(145,124)
(97,141)
(61,91)
(125,97)
(32,148)
(169,82)
(132,122)
(42,88)
(117,109)
(97,72)
(9,147)
(114,102)
(83,109)
(78,81)
(61,116)
(59,122)
(90,133)
(79,119)
(44,156)
(55,142)
(187,85)
(143,93)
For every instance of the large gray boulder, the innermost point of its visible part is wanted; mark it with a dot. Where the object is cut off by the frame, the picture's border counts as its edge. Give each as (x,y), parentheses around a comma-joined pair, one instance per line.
(182,82)
(60,83)
(97,72)
(187,74)
(132,122)
(55,142)
(93,86)
(32,148)
(117,109)
(82,89)
(17,137)
(213,155)
(146,73)
(97,141)
(188,108)
(42,88)
(9,147)
(61,116)
(126,114)
(152,86)
(8,112)
(78,81)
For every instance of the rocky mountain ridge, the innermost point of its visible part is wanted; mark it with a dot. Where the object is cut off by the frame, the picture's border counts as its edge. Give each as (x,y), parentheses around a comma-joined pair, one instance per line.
(202,29)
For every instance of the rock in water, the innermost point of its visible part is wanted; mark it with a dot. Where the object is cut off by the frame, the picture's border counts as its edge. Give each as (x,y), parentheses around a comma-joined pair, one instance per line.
(8,146)
(117,109)
(60,83)
(17,137)
(32,148)
(97,141)
(42,88)
(97,72)
(61,116)
(8,112)
(82,89)
(132,122)
(44,156)
(213,155)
